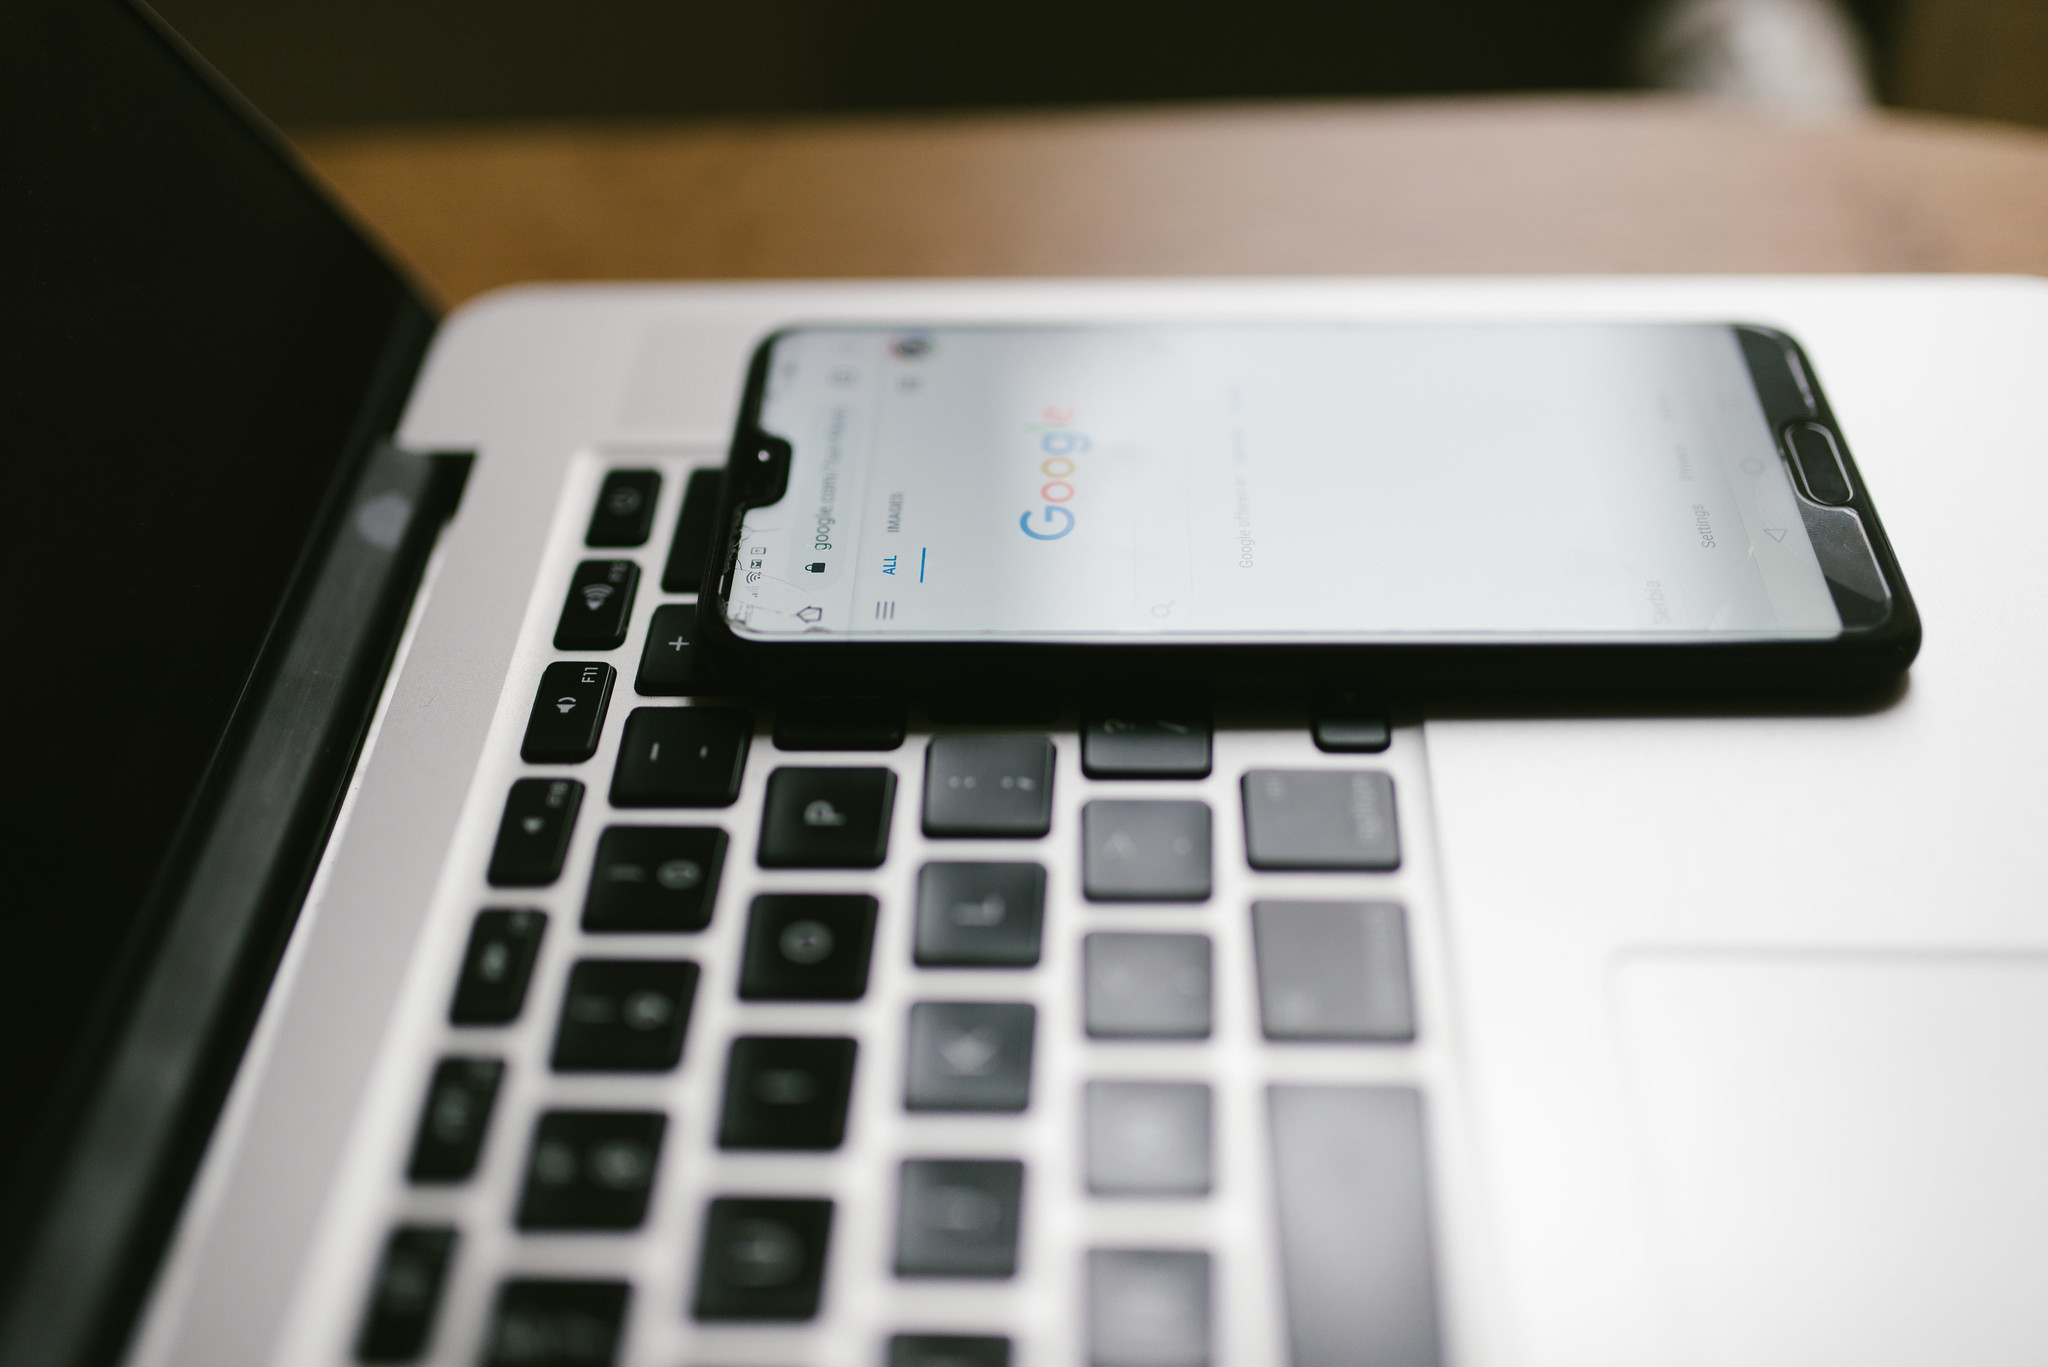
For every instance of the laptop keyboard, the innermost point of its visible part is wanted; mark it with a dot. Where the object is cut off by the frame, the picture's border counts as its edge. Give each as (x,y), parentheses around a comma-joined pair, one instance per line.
(850,1033)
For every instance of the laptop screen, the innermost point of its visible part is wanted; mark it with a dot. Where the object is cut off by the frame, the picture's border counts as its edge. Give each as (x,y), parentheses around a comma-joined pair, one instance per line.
(190,339)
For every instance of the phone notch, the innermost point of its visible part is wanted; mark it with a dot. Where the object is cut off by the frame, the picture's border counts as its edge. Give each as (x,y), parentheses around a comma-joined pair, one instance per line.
(759,470)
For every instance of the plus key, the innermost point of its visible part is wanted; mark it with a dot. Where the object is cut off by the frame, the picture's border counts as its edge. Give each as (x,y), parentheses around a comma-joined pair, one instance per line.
(668,662)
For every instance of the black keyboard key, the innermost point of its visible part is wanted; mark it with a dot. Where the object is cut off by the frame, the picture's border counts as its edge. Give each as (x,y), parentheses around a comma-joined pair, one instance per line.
(1333,970)
(1351,1187)
(969,1056)
(949,1350)
(668,662)
(496,967)
(827,818)
(786,1092)
(1148,1138)
(1146,743)
(568,713)
(689,555)
(599,605)
(988,785)
(1146,986)
(625,1015)
(979,915)
(808,947)
(1320,819)
(591,1169)
(455,1119)
(958,1218)
(762,1259)
(533,837)
(1352,735)
(406,1294)
(658,878)
(682,757)
(1150,1308)
(1350,725)
(551,1323)
(625,509)
(1145,851)
(839,724)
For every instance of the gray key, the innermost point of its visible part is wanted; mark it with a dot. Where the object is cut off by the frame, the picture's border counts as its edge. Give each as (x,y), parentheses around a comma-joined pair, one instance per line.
(1146,745)
(1146,986)
(988,785)
(981,915)
(948,1350)
(1147,1309)
(1352,1185)
(958,1218)
(1320,819)
(1148,1138)
(969,1056)
(1145,851)
(1333,970)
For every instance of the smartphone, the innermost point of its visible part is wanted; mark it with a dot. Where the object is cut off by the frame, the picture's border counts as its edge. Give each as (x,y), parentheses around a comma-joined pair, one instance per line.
(1391,505)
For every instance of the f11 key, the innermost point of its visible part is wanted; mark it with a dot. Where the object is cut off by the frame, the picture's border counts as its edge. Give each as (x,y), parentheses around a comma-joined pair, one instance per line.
(568,712)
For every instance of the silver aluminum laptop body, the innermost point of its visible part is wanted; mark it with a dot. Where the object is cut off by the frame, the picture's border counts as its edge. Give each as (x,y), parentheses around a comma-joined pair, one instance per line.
(1728,1031)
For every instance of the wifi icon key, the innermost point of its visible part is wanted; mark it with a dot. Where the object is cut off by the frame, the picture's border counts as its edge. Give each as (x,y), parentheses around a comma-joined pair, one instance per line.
(599,605)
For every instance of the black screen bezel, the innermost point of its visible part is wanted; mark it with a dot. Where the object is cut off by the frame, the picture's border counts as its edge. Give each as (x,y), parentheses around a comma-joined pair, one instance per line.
(39,1211)
(1858,660)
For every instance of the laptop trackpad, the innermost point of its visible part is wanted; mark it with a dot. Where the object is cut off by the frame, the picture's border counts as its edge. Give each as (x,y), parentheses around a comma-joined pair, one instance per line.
(1849,1152)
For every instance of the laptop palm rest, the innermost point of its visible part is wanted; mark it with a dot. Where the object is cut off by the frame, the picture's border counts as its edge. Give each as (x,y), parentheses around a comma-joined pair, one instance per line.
(1844,1152)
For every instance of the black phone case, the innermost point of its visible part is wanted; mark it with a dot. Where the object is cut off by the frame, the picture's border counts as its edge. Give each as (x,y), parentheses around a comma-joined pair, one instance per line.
(1867,657)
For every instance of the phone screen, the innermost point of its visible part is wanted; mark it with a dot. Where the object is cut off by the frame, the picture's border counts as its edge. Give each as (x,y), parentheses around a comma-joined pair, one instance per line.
(1275,483)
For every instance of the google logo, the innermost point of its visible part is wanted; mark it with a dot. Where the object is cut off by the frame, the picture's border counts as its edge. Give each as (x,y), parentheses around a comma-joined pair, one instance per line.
(1060,445)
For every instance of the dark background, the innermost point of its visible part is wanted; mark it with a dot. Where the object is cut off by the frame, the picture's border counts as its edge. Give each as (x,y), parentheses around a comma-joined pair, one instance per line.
(310,63)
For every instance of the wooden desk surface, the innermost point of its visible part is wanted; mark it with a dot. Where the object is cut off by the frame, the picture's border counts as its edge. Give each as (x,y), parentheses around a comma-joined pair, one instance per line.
(1572,184)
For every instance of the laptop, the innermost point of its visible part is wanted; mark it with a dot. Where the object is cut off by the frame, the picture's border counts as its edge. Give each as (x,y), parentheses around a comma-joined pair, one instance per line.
(361,1005)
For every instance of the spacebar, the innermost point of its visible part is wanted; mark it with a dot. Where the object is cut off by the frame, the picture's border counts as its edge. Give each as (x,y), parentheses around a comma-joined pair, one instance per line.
(1355,1247)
